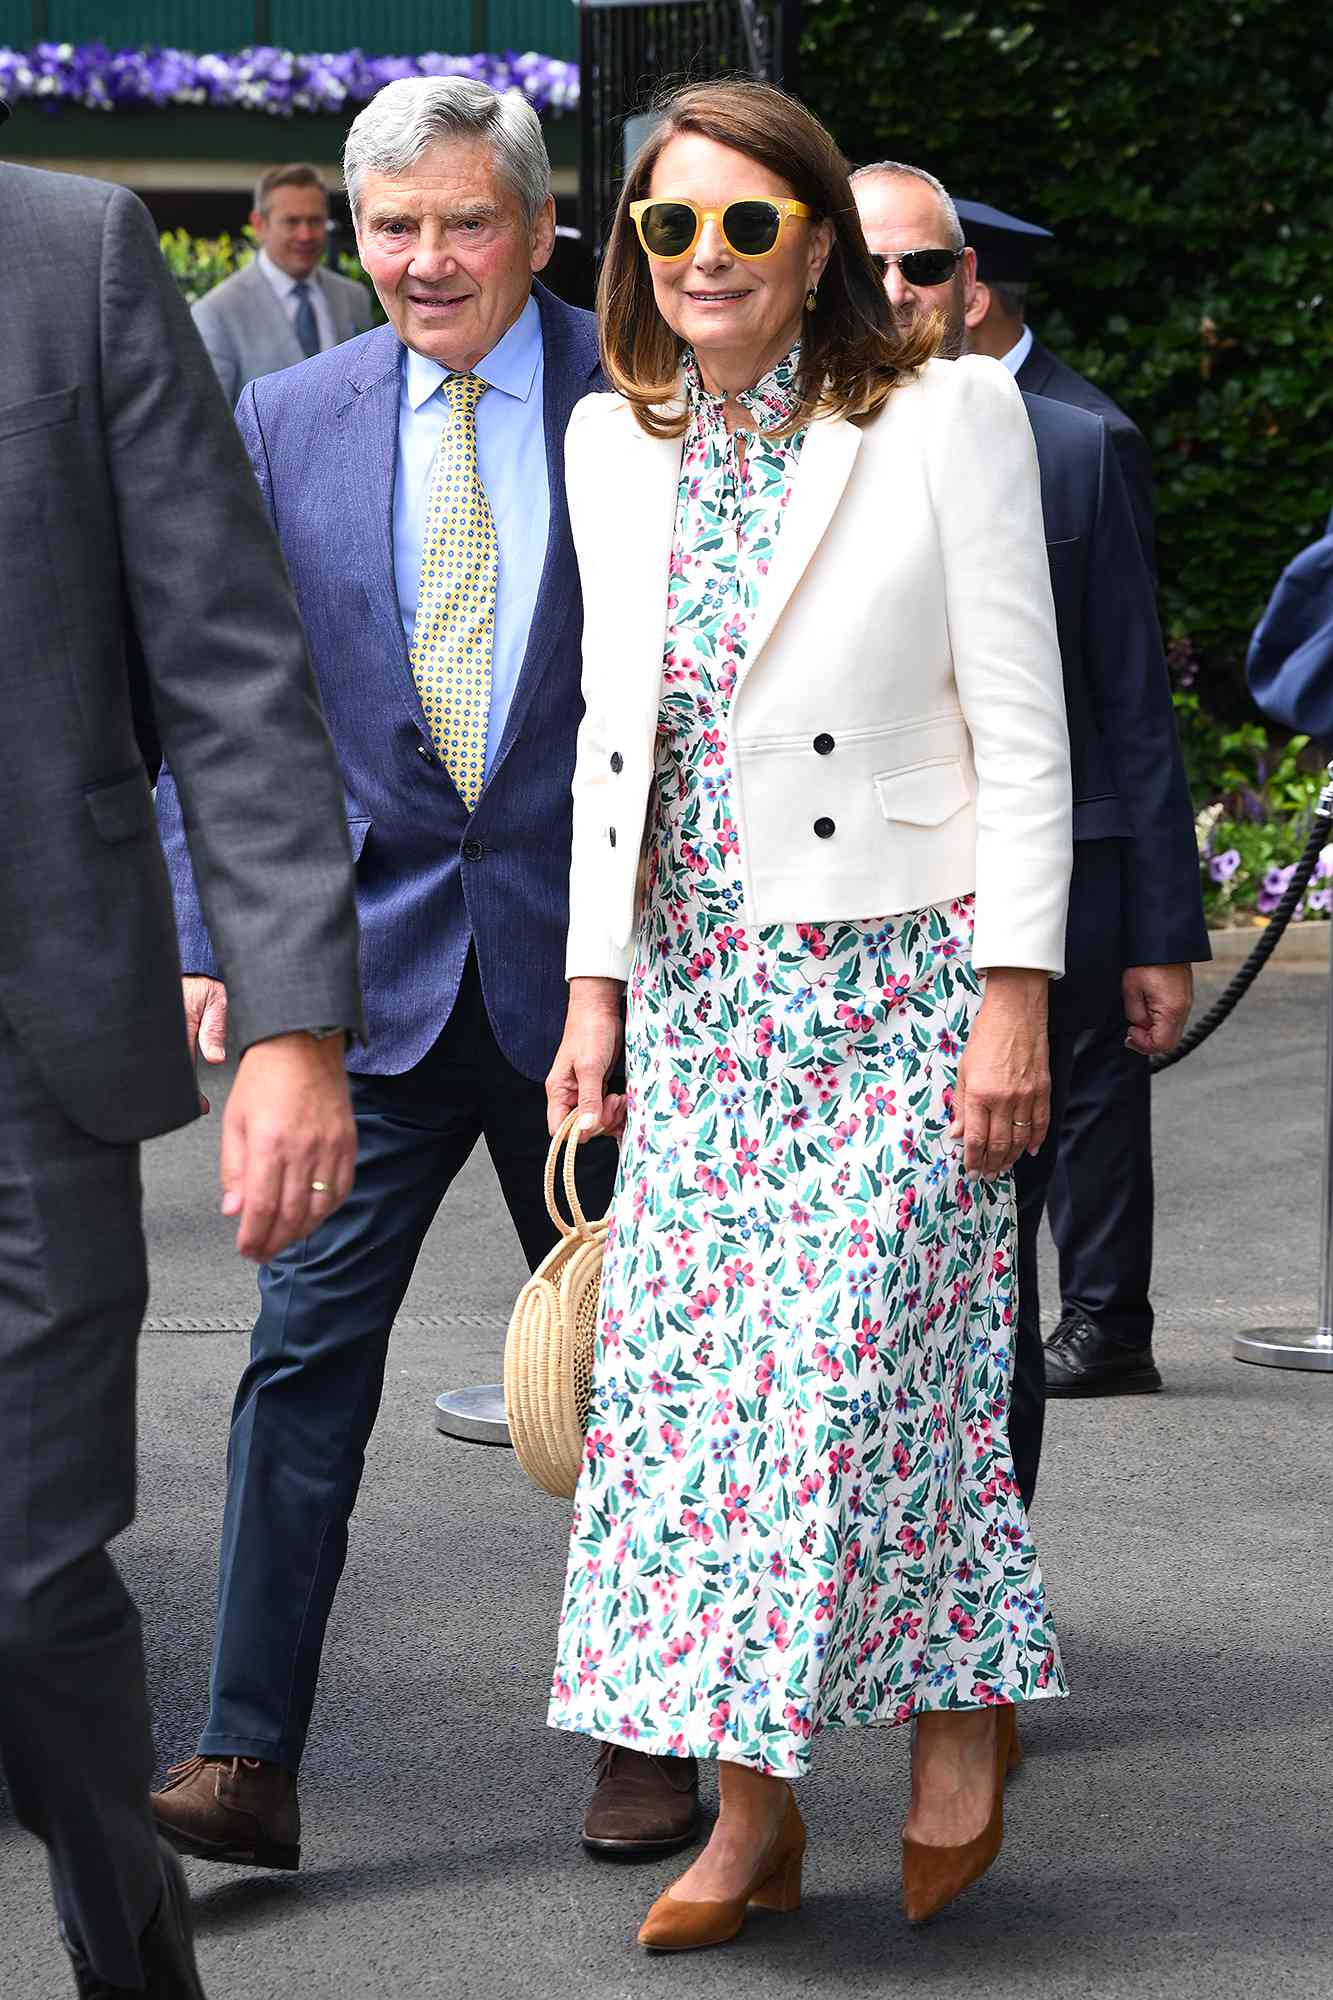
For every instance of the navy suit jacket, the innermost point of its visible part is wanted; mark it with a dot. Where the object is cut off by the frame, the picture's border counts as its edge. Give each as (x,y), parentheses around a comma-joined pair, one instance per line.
(1042,374)
(1290,664)
(1129,777)
(430,877)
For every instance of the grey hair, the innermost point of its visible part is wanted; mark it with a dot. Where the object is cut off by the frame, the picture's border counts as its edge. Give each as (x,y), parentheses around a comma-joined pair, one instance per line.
(899,170)
(406,118)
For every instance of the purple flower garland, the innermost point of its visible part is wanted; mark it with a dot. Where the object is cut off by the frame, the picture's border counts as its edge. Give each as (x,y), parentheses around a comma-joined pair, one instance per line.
(275,81)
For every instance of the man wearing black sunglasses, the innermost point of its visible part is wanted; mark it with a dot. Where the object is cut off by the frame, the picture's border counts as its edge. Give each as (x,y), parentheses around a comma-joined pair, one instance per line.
(1135,911)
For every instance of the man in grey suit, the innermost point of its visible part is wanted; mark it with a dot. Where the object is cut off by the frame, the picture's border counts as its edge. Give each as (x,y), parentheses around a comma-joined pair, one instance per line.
(284,306)
(127,513)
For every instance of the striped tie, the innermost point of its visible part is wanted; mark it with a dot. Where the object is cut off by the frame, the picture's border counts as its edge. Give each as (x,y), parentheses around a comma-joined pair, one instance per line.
(454,635)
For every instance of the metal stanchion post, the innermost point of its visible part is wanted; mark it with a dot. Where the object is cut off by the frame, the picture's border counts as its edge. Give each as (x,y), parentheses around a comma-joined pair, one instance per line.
(1299,1347)
(476,1415)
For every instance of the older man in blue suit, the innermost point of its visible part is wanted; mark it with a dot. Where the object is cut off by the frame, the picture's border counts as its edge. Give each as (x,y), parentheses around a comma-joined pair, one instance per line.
(416,479)
(1290,664)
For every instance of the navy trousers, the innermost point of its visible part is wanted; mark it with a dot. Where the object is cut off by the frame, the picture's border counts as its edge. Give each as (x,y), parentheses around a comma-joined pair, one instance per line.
(1107,1250)
(308,1399)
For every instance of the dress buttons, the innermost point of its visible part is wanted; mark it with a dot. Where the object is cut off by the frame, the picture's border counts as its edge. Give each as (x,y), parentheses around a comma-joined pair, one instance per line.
(825,829)
(824,744)
(473,850)
(617,762)
(611,835)
(422,751)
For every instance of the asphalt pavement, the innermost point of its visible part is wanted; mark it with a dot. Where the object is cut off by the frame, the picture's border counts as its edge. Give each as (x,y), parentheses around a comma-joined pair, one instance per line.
(1168,1834)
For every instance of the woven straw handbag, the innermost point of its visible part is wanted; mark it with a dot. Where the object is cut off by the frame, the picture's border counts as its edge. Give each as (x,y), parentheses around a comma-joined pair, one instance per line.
(552,1334)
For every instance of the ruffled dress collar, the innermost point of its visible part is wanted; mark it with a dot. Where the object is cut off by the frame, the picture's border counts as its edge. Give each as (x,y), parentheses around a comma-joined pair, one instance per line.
(772,402)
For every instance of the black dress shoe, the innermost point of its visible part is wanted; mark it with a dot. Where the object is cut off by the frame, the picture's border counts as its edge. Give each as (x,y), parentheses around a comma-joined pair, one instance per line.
(166,1948)
(641,1805)
(1081,1360)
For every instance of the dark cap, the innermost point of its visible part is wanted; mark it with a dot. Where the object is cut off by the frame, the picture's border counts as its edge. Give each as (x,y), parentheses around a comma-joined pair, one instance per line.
(1006,248)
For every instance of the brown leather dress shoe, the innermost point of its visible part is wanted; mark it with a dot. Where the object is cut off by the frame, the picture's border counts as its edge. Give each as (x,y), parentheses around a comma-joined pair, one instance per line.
(236,1809)
(641,1805)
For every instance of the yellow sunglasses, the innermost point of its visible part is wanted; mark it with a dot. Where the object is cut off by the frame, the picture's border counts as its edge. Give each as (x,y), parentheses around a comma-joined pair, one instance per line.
(669,230)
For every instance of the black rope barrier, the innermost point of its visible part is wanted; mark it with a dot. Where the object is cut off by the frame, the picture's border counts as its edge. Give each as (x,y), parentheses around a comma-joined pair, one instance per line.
(1268,942)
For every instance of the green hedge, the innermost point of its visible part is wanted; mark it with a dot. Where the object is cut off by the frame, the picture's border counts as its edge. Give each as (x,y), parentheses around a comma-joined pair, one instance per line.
(1183,154)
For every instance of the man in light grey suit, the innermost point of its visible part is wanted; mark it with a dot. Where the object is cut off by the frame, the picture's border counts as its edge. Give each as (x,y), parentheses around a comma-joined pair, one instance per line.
(284,306)
(127,513)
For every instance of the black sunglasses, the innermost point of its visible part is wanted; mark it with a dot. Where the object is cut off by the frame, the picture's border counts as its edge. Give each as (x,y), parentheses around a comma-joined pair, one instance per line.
(919,267)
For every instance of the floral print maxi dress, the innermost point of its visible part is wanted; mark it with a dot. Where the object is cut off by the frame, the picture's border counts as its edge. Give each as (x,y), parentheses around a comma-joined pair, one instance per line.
(797,1510)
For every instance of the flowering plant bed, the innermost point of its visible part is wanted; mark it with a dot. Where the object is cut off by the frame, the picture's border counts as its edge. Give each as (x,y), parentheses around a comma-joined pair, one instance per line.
(278,82)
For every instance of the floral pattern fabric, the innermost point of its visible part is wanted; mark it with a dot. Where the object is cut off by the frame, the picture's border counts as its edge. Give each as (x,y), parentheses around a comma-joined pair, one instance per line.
(797,1510)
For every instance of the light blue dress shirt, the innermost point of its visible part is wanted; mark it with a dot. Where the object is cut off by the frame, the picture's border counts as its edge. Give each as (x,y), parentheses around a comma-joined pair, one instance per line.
(511,458)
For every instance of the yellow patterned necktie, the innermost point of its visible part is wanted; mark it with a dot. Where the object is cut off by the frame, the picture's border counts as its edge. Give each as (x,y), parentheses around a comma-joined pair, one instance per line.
(454,637)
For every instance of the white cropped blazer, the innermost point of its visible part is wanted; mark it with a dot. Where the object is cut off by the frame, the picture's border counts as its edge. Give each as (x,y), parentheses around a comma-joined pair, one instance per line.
(897,732)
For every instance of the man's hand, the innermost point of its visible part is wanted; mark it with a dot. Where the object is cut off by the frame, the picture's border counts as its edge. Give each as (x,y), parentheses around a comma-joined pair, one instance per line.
(288,1124)
(1157,1001)
(205,1020)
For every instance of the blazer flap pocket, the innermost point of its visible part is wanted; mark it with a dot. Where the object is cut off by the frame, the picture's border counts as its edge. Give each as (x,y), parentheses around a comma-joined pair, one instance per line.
(122,807)
(923,794)
(357,829)
(40,414)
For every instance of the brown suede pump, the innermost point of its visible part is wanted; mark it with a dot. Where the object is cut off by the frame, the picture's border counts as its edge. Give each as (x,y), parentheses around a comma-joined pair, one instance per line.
(933,1876)
(672,1925)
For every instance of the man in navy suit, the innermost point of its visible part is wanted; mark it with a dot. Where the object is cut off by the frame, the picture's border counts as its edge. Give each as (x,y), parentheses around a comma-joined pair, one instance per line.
(1135,908)
(1290,664)
(416,479)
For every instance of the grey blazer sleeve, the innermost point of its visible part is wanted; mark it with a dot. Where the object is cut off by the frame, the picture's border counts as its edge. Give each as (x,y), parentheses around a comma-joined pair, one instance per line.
(1161,899)
(213,332)
(259,796)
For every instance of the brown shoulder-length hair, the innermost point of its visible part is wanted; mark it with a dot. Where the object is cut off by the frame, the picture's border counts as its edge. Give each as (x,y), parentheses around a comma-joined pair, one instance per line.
(852,352)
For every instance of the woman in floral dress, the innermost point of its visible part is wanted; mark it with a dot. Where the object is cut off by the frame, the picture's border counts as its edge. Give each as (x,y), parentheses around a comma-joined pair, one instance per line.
(798,1509)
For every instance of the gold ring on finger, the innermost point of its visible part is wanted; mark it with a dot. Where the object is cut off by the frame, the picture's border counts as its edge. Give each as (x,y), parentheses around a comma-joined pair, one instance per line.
(320,1187)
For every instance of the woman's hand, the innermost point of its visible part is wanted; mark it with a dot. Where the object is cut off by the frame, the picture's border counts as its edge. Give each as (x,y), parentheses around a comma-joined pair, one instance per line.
(586,1056)
(1002,1103)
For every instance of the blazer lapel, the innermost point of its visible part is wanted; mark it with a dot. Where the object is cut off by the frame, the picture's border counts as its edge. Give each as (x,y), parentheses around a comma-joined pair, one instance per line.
(368,416)
(278,329)
(825,465)
(1037,369)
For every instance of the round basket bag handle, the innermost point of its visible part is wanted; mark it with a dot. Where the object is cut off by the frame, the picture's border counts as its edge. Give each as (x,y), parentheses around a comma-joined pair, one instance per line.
(565,1138)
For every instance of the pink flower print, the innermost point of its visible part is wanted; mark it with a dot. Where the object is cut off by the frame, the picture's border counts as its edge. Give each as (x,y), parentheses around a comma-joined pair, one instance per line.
(855,1022)
(560,1688)
(911,1541)
(680,1097)
(798,1721)
(692,858)
(999,1264)
(880,1103)
(659,1383)
(963,1622)
(719,1722)
(896,991)
(710,1180)
(728,840)
(799,1214)
(794,1119)
(946,1043)
(723,1407)
(777,1566)
(765,1036)
(701,964)
(726,1665)
(840,1459)
(676,1745)
(702,1302)
(867,1340)
(1046,1671)
(724,1066)
(730,939)
(735,1502)
(845,1133)
(987,1696)
(814,940)
(808,1270)
(589,1662)
(629,1727)
(808,1488)
(679,1649)
(598,1445)
(695,1526)
(964,1198)
(906,1208)
(777,1629)
(860,1237)
(629,1485)
(656,1285)
(907,1145)
(739,1274)
(709,1621)
(714,752)
(948,947)
(826,1600)
(747,1158)
(867,1649)
(673,1440)
(902,1460)
(763,1374)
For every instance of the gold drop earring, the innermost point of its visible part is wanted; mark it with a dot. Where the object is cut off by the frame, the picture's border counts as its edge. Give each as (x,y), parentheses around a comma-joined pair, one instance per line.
(811,299)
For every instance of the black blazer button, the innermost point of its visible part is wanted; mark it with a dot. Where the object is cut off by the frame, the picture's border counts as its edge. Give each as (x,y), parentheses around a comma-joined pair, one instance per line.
(617,762)
(472,850)
(824,744)
(825,829)
(422,751)
(611,835)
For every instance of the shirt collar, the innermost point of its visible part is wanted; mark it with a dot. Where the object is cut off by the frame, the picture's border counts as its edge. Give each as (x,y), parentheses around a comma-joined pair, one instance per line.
(1019,352)
(511,366)
(772,402)
(282,281)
